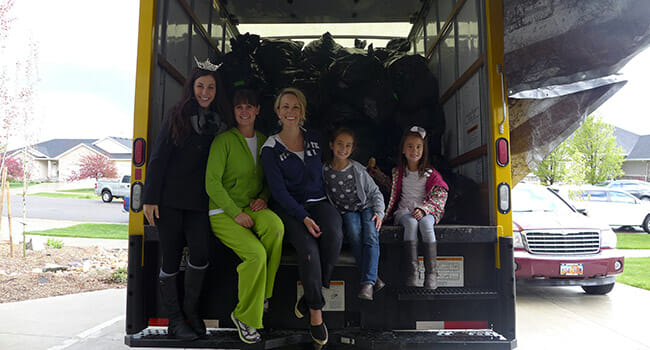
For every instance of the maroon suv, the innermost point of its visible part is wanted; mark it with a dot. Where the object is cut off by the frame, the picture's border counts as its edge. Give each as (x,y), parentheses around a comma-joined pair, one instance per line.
(555,245)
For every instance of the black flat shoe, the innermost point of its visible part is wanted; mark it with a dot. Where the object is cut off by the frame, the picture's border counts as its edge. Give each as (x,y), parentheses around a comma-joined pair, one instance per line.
(319,334)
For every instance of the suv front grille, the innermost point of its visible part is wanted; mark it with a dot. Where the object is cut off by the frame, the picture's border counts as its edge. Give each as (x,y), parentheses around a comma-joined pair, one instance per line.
(564,242)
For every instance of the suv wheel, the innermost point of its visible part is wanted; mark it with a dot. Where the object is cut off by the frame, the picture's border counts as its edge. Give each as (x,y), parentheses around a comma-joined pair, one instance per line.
(646,224)
(645,199)
(107,197)
(598,290)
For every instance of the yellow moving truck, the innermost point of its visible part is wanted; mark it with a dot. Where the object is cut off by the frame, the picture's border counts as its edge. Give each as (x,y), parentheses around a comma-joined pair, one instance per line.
(465,44)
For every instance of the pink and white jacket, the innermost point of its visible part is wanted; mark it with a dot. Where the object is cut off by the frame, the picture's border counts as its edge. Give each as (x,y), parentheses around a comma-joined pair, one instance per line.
(436,189)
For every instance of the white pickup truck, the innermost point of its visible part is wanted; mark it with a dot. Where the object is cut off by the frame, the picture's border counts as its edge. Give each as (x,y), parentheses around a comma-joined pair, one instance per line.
(113,189)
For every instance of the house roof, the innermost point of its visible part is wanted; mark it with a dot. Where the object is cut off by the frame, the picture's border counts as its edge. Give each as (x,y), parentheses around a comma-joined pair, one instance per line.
(56,147)
(635,147)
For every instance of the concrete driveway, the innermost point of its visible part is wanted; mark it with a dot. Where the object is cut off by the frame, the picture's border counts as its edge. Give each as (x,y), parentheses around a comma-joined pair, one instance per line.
(547,318)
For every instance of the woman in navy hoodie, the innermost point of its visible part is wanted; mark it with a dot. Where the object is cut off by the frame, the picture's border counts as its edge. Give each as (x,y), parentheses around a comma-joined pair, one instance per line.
(292,163)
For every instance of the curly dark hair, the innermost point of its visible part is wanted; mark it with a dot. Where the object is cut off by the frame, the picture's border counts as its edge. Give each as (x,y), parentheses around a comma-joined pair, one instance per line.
(187,106)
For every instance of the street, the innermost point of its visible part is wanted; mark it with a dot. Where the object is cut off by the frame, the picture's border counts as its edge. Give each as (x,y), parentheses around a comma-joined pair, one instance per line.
(68,209)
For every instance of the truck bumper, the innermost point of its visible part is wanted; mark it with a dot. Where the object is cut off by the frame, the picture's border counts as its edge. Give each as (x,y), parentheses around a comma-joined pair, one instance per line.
(479,339)
(544,270)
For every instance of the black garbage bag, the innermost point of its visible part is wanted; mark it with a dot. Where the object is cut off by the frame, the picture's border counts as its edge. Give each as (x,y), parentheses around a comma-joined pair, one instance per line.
(245,44)
(465,203)
(320,53)
(360,80)
(276,56)
(267,121)
(360,44)
(412,81)
(399,44)
(239,70)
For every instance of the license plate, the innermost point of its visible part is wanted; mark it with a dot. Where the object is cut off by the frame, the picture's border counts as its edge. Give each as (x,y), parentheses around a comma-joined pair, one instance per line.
(571,269)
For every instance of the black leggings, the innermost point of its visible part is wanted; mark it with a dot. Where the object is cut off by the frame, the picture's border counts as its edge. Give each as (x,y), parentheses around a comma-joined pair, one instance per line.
(177,227)
(316,256)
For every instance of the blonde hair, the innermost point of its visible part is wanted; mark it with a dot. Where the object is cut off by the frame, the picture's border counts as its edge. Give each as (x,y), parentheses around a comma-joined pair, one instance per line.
(301,99)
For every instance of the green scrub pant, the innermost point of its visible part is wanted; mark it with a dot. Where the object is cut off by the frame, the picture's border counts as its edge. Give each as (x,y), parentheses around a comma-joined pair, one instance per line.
(260,249)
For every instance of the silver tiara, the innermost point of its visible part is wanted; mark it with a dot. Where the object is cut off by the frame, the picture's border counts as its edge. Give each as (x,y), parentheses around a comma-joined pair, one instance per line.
(207,65)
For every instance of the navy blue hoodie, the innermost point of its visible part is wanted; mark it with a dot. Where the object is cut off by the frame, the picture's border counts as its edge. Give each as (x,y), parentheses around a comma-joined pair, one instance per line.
(292,181)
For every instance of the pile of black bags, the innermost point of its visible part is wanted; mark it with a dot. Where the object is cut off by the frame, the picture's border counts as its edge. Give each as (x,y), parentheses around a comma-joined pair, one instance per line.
(378,93)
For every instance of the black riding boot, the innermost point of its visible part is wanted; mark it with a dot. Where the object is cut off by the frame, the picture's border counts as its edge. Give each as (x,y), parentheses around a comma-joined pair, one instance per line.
(430,271)
(193,287)
(411,261)
(177,327)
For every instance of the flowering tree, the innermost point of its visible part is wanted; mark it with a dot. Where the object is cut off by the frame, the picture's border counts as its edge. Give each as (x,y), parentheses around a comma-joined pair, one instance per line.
(94,166)
(18,80)
(8,111)
(15,170)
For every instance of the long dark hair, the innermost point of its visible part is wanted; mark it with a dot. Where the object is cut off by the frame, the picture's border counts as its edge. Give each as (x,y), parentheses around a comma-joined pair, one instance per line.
(402,163)
(187,106)
(329,155)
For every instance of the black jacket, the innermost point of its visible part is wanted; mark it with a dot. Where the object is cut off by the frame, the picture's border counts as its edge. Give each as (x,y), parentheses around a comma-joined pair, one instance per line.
(176,174)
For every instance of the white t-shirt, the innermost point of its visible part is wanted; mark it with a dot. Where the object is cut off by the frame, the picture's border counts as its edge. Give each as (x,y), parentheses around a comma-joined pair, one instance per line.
(252,145)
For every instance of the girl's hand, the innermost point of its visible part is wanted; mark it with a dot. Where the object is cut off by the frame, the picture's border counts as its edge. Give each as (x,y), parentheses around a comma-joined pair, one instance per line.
(258,204)
(312,227)
(418,213)
(244,220)
(377,221)
(150,212)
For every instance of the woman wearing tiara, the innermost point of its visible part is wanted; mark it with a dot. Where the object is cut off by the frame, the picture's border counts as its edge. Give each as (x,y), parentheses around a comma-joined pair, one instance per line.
(174,194)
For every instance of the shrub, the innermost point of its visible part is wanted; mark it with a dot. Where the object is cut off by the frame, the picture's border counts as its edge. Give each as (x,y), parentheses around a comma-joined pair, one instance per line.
(118,276)
(54,243)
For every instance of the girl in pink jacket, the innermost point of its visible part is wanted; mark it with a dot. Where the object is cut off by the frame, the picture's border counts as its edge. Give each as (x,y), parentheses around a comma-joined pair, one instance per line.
(417,197)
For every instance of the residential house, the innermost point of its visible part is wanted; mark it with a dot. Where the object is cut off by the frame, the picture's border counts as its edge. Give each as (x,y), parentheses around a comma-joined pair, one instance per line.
(56,159)
(637,154)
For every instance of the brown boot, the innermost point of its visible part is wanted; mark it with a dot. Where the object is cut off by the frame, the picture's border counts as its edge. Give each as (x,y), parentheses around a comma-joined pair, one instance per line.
(379,285)
(366,292)
(430,270)
(411,261)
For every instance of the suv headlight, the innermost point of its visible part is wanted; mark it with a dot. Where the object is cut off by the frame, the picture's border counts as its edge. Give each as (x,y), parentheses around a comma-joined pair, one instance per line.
(608,238)
(517,239)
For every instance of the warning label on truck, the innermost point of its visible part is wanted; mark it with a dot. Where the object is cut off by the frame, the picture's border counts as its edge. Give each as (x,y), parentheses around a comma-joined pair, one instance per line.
(450,271)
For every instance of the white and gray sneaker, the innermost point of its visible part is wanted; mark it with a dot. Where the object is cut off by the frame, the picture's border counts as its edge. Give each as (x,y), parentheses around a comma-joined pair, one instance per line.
(247,334)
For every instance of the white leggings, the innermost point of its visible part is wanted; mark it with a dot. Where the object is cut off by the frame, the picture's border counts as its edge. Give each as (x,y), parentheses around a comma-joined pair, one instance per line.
(411,226)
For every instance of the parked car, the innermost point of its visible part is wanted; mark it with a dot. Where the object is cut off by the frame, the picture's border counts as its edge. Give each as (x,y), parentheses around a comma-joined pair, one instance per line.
(555,245)
(125,204)
(637,188)
(614,207)
(113,189)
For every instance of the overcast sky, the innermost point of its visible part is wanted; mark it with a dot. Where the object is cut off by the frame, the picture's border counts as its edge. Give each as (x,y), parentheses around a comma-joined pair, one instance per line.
(88,59)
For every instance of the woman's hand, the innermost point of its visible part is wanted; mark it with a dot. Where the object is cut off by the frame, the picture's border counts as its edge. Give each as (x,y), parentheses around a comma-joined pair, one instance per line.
(312,227)
(150,212)
(244,220)
(377,221)
(418,214)
(258,204)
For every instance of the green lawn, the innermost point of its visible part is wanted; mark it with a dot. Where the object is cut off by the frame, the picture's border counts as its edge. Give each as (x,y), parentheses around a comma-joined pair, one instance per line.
(633,241)
(65,195)
(109,231)
(20,184)
(636,272)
